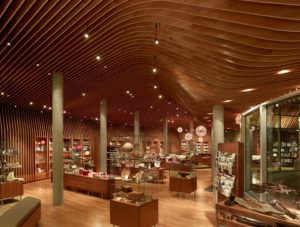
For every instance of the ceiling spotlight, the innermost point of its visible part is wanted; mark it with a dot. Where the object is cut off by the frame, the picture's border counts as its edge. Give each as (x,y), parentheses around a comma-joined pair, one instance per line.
(44,106)
(105,66)
(169,103)
(7,95)
(2,93)
(160,96)
(154,70)
(30,103)
(98,58)
(155,86)
(96,118)
(247,90)
(16,106)
(37,64)
(8,44)
(151,107)
(83,94)
(127,92)
(283,71)
(132,96)
(156,42)
(86,35)
(49,73)
(50,108)
(65,111)
(228,101)
(177,115)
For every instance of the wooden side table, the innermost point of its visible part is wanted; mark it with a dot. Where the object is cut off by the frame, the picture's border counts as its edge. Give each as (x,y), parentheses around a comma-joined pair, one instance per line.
(11,189)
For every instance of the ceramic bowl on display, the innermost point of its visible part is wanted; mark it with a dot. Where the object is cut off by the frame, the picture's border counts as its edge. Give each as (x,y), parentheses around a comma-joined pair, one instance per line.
(127,147)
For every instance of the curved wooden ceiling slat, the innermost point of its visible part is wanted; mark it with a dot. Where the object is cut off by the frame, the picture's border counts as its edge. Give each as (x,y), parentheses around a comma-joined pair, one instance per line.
(208,52)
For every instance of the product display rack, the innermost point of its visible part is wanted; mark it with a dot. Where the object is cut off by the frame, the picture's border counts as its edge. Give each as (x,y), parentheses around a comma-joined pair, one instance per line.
(134,197)
(181,168)
(41,158)
(205,147)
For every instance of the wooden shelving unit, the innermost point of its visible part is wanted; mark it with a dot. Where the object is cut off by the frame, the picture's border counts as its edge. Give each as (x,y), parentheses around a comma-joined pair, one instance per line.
(41,158)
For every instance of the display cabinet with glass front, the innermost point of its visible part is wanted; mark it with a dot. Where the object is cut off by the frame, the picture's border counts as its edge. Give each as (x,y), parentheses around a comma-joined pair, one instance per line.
(133,171)
(180,162)
(41,158)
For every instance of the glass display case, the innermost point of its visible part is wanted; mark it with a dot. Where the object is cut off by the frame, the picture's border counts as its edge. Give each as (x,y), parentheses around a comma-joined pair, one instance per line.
(134,169)
(181,167)
(41,158)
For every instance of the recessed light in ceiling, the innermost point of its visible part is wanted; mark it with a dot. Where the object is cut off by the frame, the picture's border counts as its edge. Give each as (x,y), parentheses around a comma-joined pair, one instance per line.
(247,90)
(65,111)
(283,71)
(49,73)
(160,96)
(127,92)
(30,103)
(227,101)
(156,42)
(155,86)
(105,66)
(83,94)
(154,70)
(151,107)
(50,108)
(8,44)
(86,35)
(16,106)
(44,106)
(37,64)
(98,58)
(2,93)
(209,113)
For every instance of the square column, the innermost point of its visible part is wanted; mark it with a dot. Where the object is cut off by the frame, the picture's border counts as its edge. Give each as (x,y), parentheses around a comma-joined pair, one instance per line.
(103,135)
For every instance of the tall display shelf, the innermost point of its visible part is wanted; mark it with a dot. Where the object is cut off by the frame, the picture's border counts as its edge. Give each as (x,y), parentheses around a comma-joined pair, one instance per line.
(67,150)
(134,196)
(41,158)
(181,175)
(76,152)
(9,164)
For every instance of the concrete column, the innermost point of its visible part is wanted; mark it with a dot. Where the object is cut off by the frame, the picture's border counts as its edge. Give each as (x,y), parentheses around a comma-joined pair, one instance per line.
(136,128)
(58,138)
(103,135)
(165,132)
(218,137)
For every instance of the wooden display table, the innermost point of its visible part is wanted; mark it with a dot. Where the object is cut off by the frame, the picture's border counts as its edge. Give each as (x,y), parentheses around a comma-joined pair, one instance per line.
(11,189)
(202,159)
(238,210)
(184,185)
(130,215)
(102,186)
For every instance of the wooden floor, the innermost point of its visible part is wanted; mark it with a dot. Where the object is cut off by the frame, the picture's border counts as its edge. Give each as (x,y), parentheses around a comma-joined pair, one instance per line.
(90,211)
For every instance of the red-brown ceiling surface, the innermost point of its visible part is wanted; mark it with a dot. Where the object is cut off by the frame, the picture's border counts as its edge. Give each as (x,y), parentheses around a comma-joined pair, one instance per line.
(208,52)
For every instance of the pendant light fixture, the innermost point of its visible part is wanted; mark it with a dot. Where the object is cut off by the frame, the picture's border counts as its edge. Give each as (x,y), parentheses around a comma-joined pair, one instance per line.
(154,70)
(156,41)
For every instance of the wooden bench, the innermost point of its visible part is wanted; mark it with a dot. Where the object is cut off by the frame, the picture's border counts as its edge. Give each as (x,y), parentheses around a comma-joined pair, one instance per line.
(26,213)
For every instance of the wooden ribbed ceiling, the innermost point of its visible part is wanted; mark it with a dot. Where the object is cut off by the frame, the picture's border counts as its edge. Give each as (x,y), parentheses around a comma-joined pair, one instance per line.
(209,50)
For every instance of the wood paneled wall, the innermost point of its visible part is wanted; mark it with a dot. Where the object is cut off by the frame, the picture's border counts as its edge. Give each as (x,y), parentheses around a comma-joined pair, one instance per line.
(19,127)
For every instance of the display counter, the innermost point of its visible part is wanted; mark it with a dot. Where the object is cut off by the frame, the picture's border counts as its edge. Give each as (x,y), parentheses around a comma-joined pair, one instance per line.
(184,185)
(202,159)
(10,189)
(131,215)
(239,211)
(105,187)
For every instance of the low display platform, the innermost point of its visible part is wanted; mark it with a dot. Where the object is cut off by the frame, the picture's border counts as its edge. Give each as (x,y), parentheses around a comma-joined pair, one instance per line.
(105,187)
(10,189)
(131,215)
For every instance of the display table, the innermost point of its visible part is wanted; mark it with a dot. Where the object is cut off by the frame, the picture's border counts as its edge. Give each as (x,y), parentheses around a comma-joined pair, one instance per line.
(202,159)
(238,210)
(184,185)
(11,189)
(130,215)
(102,186)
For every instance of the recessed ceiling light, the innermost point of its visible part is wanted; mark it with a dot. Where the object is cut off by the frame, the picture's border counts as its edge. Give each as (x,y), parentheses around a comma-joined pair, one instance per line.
(155,86)
(283,71)
(37,64)
(247,90)
(132,96)
(156,42)
(96,118)
(65,111)
(44,106)
(49,73)
(98,57)
(160,96)
(151,107)
(16,106)
(83,94)
(169,103)
(209,113)
(105,66)
(2,93)
(154,70)
(177,115)
(86,35)
(31,103)
(8,44)
(228,100)
(50,108)
(7,95)
(127,92)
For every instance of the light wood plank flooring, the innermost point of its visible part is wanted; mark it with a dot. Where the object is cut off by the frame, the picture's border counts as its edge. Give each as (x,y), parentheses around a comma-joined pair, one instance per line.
(90,211)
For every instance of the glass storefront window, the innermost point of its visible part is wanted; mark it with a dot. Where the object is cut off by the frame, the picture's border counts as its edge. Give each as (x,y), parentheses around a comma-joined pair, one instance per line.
(253,153)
